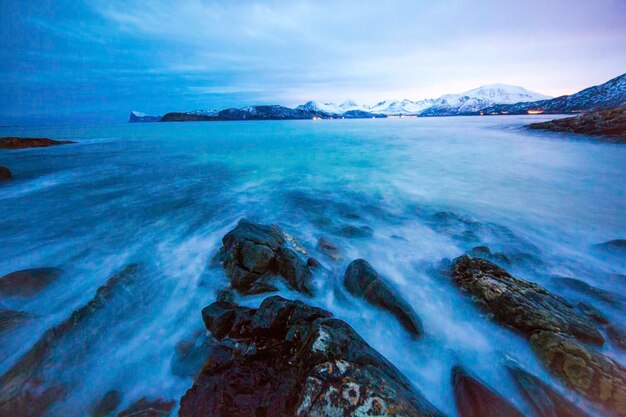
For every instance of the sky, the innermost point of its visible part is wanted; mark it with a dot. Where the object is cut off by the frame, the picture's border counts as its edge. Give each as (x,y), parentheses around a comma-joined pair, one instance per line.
(85,60)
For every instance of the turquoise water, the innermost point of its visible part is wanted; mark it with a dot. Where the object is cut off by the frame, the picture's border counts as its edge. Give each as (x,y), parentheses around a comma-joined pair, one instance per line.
(163,195)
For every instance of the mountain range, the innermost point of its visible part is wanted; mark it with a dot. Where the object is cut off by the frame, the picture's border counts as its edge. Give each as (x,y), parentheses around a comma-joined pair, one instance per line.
(488,99)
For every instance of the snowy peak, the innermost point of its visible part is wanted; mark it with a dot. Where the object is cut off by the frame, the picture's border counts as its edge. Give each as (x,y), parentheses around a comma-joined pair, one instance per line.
(505,94)
(350,104)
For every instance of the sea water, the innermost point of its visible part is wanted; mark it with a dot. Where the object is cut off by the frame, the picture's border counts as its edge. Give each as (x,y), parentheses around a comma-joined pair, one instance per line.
(163,195)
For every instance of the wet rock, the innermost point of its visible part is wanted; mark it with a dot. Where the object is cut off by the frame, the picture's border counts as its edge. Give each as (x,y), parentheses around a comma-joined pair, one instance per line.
(356,232)
(586,289)
(148,408)
(107,404)
(604,122)
(545,401)
(28,281)
(329,249)
(5,174)
(485,253)
(593,313)
(287,358)
(251,252)
(37,379)
(524,306)
(617,335)
(190,354)
(362,281)
(21,143)
(474,399)
(10,319)
(590,373)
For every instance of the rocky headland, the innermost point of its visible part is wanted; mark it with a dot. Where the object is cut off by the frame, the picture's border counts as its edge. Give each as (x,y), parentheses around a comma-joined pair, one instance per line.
(23,143)
(611,122)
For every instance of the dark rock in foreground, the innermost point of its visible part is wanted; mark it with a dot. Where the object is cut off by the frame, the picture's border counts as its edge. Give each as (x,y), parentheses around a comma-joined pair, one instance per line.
(524,306)
(5,174)
(611,122)
(252,253)
(36,381)
(290,359)
(22,143)
(545,401)
(475,399)
(362,281)
(145,408)
(28,282)
(590,373)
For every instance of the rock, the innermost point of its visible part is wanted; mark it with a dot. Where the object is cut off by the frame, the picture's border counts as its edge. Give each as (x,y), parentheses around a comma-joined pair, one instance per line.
(485,253)
(582,287)
(287,358)
(107,404)
(362,281)
(593,313)
(524,306)
(145,408)
(28,281)
(22,143)
(617,335)
(252,252)
(190,354)
(590,373)
(5,174)
(37,380)
(354,232)
(609,122)
(10,319)
(329,249)
(474,399)
(545,401)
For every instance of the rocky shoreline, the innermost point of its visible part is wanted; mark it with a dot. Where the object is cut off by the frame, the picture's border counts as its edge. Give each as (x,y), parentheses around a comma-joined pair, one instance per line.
(11,142)
(290,358)
(611,122)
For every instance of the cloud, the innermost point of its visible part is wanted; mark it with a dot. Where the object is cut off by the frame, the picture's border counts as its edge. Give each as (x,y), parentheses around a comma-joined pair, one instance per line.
(158,55)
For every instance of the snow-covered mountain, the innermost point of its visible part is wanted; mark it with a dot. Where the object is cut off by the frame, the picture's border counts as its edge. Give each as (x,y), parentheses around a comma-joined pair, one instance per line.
(449,104)
(480,98)
(404,107)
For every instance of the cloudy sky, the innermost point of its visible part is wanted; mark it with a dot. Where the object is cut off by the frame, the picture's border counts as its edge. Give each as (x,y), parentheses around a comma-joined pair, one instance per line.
(97,60)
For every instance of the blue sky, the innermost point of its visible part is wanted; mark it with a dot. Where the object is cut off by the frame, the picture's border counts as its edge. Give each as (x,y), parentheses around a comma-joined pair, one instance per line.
(97,60)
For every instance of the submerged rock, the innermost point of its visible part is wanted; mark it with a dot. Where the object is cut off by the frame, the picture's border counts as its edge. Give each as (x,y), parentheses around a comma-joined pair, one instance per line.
(545,401)
(474,399)
(21,143)
(5,174)
(287,358)
(362,281)
(617,246)
(107,404)
(524,306)
(582,287)
(190,354)
(329,249)
(10,319)
(148,408)
(28,281)
(252,252)
(36,380)
(617,335)
(356,232)
(590,373)
(593,313)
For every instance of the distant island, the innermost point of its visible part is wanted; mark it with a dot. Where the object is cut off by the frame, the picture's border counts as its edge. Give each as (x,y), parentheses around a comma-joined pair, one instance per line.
(495,99)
